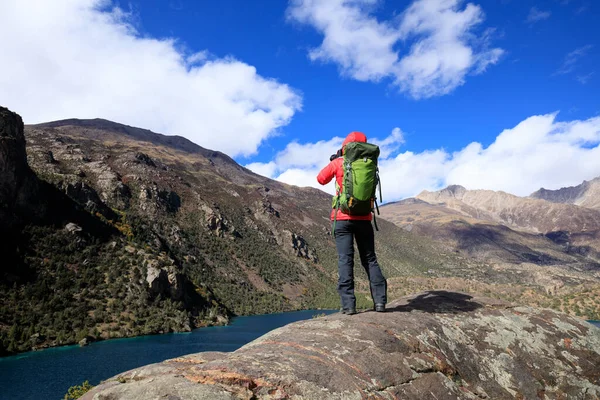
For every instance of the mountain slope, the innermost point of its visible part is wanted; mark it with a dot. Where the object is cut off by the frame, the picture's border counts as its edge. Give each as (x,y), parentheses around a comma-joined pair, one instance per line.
(480,238)
(559,270)
(192,237)
(528,214)
(146,233)
(586,194)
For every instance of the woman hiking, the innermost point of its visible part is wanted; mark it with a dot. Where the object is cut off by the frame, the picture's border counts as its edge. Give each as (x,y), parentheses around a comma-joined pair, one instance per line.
(350,226)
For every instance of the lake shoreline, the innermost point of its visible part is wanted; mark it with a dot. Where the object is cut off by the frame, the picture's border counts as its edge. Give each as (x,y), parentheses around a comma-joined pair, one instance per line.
(59,368)
(98,340)
(92,340)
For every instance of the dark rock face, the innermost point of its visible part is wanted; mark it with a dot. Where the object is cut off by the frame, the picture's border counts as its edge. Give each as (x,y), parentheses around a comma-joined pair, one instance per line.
(85,195)
(145,159)
(13,159)
(302,249)
(437,345)
(25,200)
(19,188)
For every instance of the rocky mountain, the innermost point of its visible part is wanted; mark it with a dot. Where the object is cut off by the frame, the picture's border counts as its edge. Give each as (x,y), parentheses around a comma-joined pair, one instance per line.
(533,215)
(577,228)
(433,345)
(480,238)
(114,231)
(118,231)
(511,263)
(586,194)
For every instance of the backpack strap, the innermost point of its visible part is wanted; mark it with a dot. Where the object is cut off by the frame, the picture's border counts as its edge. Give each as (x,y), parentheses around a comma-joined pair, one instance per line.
(379,184)
(376,206)
(375,223)
(337,208)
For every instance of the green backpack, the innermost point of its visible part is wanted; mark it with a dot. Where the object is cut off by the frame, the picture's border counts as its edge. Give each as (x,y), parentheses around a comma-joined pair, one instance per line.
(360,181)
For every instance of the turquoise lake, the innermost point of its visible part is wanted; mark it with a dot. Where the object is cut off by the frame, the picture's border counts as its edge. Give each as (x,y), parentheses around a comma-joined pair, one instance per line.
(49,373)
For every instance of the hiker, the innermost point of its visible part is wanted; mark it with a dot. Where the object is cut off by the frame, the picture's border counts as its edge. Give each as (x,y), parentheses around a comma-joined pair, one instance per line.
(354,224)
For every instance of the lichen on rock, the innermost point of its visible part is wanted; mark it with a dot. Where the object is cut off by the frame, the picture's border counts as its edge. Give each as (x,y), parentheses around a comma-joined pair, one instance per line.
(454,346)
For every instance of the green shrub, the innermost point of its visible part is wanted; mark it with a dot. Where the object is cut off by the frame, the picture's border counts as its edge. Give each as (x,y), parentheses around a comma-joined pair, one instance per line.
(77,391)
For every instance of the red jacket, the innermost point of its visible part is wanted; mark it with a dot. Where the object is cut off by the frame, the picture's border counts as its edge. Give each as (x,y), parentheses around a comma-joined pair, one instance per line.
(335,169)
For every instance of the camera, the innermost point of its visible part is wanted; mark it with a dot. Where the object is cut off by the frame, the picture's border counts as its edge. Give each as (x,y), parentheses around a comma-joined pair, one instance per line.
(336,155)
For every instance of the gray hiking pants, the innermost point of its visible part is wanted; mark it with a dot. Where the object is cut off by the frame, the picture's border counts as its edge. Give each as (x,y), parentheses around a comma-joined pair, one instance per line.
(362,231)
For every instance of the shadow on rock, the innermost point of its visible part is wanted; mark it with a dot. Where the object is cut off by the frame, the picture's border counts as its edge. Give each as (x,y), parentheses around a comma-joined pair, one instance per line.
(436,301)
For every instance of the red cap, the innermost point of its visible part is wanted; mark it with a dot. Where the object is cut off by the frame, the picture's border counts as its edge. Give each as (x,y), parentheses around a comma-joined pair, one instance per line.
(354,137)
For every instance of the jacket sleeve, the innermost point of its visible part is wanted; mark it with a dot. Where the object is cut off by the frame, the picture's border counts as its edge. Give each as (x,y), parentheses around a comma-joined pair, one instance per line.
(326,174)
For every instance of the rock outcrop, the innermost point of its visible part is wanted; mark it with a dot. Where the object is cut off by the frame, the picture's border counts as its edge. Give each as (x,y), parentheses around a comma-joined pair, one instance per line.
(24,198)
(437,345)
(19,187)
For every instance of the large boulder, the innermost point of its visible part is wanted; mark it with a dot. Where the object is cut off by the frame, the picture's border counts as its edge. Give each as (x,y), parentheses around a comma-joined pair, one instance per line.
(436,345)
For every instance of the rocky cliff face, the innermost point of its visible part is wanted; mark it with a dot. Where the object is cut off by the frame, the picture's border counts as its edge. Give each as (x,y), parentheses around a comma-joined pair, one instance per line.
(436,345)
(61,241)
(586,194)
(24,198)
(19,187)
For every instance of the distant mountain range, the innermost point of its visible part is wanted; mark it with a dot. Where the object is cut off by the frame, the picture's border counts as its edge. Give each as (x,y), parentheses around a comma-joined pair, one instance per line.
(114,231)
(586,194)
(542,243)
(529,214)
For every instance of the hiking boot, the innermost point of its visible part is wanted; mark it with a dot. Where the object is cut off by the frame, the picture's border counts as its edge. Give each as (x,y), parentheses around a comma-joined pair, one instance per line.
(380,307)
(348,311)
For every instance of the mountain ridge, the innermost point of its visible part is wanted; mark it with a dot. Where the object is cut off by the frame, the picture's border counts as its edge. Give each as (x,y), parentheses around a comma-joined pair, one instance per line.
(197,238)
(531,214)
(586,194)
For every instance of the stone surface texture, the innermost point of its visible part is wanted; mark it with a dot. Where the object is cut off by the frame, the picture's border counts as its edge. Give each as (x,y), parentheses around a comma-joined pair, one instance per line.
(435,345)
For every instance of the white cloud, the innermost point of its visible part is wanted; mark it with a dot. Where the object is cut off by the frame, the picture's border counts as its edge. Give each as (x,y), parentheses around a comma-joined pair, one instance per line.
(390,144)
(307,155)
(299,163)
(85,59)
(198,58)
(584,79)
(536,15)
(307,176)
(444,46)
(265,169)
(572,58)
(360,44)
(538,152)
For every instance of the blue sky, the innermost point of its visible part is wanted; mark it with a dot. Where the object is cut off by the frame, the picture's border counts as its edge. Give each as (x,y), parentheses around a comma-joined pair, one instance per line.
(498,95)
(520,85)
